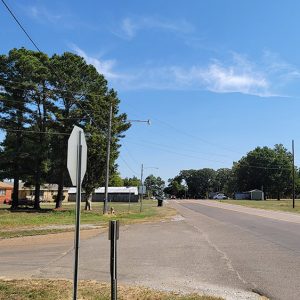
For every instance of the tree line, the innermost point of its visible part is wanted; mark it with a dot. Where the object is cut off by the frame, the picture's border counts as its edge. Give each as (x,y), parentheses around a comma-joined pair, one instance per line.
(264,168)
(41,98)
(154,185)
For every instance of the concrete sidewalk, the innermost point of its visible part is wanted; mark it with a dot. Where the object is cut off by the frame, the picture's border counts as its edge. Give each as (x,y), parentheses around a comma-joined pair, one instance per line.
(271,214)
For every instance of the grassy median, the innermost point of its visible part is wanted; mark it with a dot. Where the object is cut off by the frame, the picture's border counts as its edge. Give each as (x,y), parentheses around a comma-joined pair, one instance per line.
(62,290)
(24,222)
(282,205)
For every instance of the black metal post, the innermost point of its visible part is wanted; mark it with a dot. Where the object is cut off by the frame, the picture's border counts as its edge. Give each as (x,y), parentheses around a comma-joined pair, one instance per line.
(293,174)
(113,236)
(142,187)
(77,226)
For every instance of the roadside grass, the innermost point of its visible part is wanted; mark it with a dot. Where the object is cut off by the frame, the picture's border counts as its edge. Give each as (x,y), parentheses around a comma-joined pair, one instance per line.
(282,205)
(24,222)
(38,289)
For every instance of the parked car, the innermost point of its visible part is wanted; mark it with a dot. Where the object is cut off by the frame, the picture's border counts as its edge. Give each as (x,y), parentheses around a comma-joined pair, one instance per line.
(220,197)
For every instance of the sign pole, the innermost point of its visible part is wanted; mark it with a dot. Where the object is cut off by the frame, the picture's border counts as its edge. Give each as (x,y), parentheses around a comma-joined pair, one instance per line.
(141,200)
(113,236)
(293,150)
(77,226)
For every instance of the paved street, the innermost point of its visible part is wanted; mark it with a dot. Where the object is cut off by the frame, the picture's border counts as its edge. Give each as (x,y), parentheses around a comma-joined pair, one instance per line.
(211,249)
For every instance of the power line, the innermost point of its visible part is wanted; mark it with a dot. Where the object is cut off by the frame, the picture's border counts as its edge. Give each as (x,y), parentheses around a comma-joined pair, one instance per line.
(48,89)
(183,148)
(87,111)
(33,131)
(182,132)
(20,25)
(37,48)
(206,159)
(177,153)
(128,166)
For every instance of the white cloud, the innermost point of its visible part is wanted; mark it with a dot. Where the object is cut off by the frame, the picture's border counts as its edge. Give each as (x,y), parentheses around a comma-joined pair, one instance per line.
(230,79)
(276,65)
(42,14)
(131,26)
(128,27)
(223,79)
(239,75)
(104,67)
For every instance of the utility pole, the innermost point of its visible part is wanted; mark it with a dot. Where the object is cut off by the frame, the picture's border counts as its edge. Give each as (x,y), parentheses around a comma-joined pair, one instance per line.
(142,189)
(105,208)
(293,150)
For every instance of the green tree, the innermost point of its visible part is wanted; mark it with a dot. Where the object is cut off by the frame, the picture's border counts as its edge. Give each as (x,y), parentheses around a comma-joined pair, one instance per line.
(134,181)
(199,182)
(15,115)
(222,179)
(154,185)
(41,112)
(116,180)
(175,187)
(267,169)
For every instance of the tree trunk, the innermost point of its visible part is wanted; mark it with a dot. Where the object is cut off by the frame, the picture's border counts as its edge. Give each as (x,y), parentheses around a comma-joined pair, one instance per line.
(37,195)
(278,196)
(37,185)
(88,202)
(60,191)
(15,194)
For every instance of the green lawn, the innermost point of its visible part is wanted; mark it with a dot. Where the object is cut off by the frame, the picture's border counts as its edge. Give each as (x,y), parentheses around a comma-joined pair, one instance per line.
(28,222)
(62,290)
(282,205)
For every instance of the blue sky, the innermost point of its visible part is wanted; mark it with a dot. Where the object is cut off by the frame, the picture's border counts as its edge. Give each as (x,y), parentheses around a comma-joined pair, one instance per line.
(216,78)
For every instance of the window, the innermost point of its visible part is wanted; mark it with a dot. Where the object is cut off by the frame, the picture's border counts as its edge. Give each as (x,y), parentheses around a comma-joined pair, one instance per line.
(2,192)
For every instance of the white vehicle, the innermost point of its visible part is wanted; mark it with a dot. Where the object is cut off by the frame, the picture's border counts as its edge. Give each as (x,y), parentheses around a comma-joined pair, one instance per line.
(219,197)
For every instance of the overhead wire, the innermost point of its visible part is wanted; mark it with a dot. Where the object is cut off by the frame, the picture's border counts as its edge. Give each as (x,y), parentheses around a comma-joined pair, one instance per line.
(128,166)
(182,132)
(38,49)
(87,112)
(34,131)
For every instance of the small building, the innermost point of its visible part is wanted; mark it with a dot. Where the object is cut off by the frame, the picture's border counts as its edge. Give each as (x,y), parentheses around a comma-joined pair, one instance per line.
(256,195)
(115,194)
(251,195)
(5,192)
(242,196)
(47,192)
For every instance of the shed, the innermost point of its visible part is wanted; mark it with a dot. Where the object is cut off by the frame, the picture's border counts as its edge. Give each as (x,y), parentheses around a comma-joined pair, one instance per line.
(242,196)
(115,194)
(256,195)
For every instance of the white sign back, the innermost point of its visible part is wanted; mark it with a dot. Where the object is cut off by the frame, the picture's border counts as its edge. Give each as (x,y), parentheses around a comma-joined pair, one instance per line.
(73,146)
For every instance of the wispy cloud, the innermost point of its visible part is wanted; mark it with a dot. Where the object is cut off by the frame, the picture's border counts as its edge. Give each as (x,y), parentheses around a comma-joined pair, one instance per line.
(130,26)
(237,75)
(41,13)
(104,67)
(276,65)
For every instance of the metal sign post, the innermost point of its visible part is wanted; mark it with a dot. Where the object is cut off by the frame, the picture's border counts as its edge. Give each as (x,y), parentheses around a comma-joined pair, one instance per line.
(113,236)
(77,157)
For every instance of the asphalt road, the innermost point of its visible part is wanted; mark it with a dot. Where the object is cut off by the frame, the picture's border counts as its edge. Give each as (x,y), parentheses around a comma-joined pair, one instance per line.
(264,252)
(210,250)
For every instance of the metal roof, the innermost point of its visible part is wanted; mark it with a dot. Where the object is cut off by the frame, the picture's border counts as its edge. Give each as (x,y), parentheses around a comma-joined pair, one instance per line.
(111,190)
